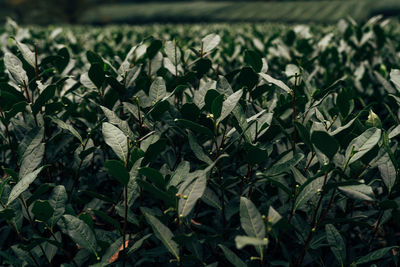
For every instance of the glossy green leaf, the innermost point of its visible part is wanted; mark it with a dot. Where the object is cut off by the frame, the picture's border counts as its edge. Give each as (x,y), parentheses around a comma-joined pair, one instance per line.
(42,210)
(14,66)
(157,90)
(307,191)
(46,95)
(374,255)
(336,243)
(26,52)
(325,143)
(116,139)
(250,219)
(23,185)
(80,233)
(57,200)
(362,144)
(210,42)
(153,175)
(388,174)
(163,233)
(32,160)
(116,169)
(276,82)
(253,59)
(232,257)
(197,149)
(359,192)
(191,190)
(67,127)
(229,104)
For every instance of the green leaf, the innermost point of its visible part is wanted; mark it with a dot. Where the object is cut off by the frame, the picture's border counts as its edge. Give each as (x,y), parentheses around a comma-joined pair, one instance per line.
(325,143)
(216,106)
(3,183)
(137,244)
(15,109)
(253,59)
(173,52)
(181,172)
(96,74)
(116,139)
(242,241)
(31,140)
(23,185)
(191,190)
(153,48)
(395,78)
(307,191)
(281,167)
(9,96)
(359,192)
(254,154)
(158,90)
(115,120)
(223,86)
(197,149)
(117,169)
(133,188)
(250,219)
(374,255)
(210,42)
(273,216)
(154,176)
(111,251)
(57,200)
(32,160)
(336,243)
(163,233)
(388,173)
(98,196)
(80,233)
(45,95)
(106,218)
(42,210)
(373,120)
(362,144)
(298,176)
(229,104)
(232,257)
(276,82)
(195,127)
(67,127)
(304,134)
(28,55)
(14,66)
(7,214)
(211,199)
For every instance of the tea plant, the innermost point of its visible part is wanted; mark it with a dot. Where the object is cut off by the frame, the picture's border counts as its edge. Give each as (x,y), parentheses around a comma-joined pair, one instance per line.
(244,147)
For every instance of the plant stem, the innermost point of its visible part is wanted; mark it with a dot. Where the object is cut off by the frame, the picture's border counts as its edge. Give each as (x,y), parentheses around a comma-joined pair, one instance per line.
(314,224)
(29,100)
(34,229)
(36,66)
(125,211)
(294,114)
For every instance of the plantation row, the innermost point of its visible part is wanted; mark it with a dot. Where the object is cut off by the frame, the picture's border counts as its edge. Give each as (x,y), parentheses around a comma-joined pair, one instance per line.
(242,145)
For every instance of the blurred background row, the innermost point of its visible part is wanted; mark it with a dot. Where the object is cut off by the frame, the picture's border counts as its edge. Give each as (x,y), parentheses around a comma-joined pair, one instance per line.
(100,12)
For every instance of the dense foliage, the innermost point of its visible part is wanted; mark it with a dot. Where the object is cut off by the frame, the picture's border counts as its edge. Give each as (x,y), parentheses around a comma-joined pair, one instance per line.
(244,145)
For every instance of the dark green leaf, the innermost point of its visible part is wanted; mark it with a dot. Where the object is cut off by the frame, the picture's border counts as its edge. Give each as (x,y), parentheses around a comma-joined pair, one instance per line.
(117,170)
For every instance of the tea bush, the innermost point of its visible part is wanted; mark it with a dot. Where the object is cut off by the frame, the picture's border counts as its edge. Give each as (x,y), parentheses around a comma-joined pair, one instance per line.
(243,145)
